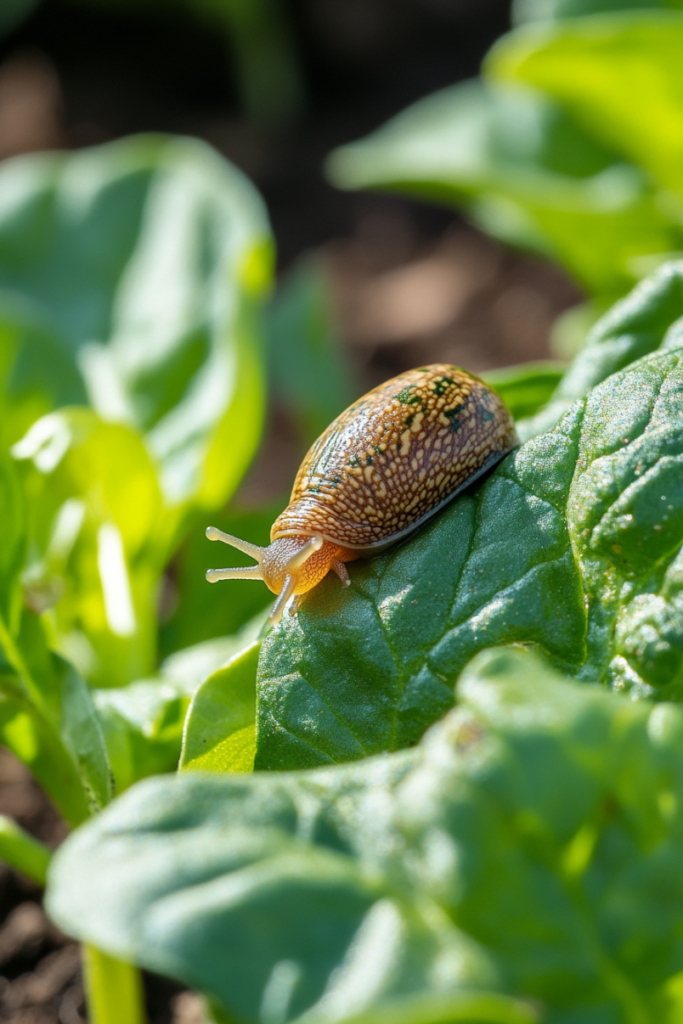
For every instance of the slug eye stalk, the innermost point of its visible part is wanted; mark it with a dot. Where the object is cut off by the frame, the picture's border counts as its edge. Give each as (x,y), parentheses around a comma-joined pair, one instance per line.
(253,550)
(279,565)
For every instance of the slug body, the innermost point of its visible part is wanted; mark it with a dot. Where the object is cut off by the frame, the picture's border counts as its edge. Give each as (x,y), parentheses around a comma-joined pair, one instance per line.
(379,471)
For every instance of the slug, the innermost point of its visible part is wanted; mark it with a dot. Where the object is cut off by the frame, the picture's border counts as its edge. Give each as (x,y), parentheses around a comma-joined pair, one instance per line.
(387,464)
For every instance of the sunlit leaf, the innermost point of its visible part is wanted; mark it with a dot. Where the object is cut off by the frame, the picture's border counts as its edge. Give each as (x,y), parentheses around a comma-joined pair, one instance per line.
(143,728)
(220,733)
(131,275)
(619,75)
(48,721)
(526,388)
(522,861)
(651,317)
(99,537)
(570,538)
(526,172)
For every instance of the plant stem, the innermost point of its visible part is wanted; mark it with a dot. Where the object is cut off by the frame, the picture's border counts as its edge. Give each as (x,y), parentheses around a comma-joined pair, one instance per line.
(22,852)
(17,661)
(113,989)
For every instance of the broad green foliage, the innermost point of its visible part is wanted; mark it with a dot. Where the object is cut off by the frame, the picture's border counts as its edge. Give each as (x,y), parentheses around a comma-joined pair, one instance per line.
(526,388)
(46,714)
(555,10)
(629,91)
(144,723)
(651,317)
(529,848)
(526,172)
(572,538)
(131,277)
(143,727)
(47,719)
(310,375)
(220,727)
(98,539)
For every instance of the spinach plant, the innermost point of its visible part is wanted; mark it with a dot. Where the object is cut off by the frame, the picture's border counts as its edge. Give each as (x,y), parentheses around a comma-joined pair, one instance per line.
(427,838)
(510,858)
(521,863)
(132,385)
(568,146)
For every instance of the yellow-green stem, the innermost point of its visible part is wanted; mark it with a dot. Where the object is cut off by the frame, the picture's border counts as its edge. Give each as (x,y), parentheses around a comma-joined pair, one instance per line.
(113,989)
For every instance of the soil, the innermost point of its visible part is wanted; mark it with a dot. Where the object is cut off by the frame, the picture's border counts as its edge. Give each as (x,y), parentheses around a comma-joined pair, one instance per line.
(409,283)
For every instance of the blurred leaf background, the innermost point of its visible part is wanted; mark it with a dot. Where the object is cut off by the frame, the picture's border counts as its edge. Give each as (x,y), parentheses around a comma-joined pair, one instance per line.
(223,220)
(148,352)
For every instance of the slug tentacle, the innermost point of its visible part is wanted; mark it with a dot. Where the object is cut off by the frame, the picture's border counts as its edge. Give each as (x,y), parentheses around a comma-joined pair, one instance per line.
(244,546)
(297,560)
(249,572)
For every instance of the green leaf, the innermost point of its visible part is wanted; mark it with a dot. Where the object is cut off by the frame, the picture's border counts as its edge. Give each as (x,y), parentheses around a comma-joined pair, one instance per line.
(527,387)
(170,245)
(22,852)
(310,375)
(528,848)
(13,546)
(220,732)
(526,172)
(188,668)
(555,10)
(572,534)
(46,714)
(99,538)
(619,75)
(143,728)
(47,719)
(144,723)
(651,317)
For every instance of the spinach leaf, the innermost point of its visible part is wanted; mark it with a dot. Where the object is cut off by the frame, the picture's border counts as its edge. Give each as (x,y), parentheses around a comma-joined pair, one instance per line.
(142,726)
(651,317)
(526,172)
(220,733)
(98,540)
(46,714)
(618,74)
(555,10)
(201,696)
(571,537)
(528,848)
(526,388)
(131,276)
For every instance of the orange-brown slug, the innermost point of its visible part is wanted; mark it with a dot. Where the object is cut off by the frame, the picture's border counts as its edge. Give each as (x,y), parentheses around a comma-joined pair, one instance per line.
(387,464)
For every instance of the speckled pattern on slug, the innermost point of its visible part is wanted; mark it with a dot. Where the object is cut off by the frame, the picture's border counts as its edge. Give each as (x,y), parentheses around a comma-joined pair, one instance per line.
(395,455)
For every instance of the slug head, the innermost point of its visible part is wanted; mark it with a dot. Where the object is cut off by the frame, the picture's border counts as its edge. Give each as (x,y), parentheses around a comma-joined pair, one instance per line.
(288,566)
